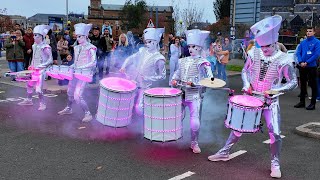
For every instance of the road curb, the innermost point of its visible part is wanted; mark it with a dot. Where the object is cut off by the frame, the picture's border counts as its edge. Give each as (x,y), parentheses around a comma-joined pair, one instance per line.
(306,130)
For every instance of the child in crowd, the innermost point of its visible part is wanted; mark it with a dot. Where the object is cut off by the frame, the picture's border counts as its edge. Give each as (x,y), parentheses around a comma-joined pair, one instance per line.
(68,61)
(211,57)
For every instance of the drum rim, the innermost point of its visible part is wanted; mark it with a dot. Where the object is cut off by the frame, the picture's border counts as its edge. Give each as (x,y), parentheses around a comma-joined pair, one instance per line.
(248,107)
(118,91)
(160,96)
(112,90)
(244,105)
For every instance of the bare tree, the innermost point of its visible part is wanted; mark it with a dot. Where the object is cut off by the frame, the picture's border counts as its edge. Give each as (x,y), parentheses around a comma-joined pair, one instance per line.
(184,18)
(192,14)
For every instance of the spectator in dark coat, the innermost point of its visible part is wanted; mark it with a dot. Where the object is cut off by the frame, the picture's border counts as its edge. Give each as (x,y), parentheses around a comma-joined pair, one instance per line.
(29,40)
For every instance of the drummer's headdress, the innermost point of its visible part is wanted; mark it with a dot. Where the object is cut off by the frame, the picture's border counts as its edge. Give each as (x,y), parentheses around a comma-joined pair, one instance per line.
(196,37)
(266,31)
(153,34)
(82,29)
(41,29)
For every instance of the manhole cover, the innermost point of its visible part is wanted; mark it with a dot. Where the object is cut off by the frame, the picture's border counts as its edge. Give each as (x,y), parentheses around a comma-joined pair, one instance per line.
(314,127)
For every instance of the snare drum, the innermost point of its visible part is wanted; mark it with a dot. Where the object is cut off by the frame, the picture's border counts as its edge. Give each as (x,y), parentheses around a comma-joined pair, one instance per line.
(66,72)
(244,114)
(116,101)
(84,74)
(162,114)
(24,76)
(54,71)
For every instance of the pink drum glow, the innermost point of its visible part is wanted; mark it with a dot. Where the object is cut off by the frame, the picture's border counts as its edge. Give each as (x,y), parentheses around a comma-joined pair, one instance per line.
(118,84)
(246,100)
(163,91)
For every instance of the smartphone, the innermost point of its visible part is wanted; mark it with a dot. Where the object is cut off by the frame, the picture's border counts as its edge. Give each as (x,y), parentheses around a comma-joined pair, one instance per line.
(13,37)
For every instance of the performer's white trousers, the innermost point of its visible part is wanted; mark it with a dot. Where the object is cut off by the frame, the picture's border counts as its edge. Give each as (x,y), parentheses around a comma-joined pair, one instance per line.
(38,86)
(75,92)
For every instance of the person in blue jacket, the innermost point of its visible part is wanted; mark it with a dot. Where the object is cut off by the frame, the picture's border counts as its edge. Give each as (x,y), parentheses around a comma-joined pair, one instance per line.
(308,53)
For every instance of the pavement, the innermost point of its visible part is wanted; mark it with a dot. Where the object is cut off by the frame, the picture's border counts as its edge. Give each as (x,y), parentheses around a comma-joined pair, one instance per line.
(42,145)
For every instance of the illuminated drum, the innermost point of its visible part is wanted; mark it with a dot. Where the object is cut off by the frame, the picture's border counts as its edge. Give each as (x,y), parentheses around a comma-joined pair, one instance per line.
(84,74)
(66,72)
(244,114)
(116,101)
(162,114)
(54,71)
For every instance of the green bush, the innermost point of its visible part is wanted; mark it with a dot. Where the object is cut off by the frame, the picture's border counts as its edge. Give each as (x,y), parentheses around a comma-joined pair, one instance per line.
(234,68)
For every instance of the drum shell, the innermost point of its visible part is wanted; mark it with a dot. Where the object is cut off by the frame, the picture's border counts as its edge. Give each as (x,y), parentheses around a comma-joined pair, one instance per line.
(162,117)
(66,72)
(53,71)
(244,119)
(84,74)
(115,107)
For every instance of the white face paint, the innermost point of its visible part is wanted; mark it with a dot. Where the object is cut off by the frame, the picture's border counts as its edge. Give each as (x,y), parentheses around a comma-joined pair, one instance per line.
(151,45)
(81,39)
(37,38)
(268,50)
(194,50)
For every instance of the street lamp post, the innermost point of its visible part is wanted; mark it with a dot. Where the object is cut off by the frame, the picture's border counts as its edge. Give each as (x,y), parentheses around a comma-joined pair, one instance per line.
(67,10)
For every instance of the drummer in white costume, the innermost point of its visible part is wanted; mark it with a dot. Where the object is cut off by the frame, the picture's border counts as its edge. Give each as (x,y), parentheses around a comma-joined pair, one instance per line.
(41,58)
(84,58)
(190,71)
(263,73)
(148,63)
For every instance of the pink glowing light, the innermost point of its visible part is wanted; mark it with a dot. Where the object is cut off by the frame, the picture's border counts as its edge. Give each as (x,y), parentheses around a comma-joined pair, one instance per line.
(246,100)
(118,84)
(66,72)
(163,131)
(164,105)
(118,99)
(116,109)
(82,77)
(168,118)
(115,119)
(163,92)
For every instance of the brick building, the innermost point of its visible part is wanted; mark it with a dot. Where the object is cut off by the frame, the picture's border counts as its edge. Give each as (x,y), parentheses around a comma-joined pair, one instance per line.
(99,13)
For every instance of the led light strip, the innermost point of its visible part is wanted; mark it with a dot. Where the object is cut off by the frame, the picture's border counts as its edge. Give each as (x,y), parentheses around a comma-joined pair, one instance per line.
(164,118)
(163,131)
(116,119)
(117,109)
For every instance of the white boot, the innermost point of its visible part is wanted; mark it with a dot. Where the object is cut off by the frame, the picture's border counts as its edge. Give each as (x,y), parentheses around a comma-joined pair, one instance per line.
(87,117)
(66,110)
(26,102)
(195,147)
(275,172)
(42,107)
(218,157)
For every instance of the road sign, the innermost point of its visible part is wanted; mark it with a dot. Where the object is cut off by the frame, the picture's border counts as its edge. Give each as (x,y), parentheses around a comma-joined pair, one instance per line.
(150,24)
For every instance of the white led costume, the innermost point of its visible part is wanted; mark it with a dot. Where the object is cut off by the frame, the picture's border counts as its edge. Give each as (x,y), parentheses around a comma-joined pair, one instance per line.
(190,71)
(263,71)
(41,59)
(148,64)
(84,58)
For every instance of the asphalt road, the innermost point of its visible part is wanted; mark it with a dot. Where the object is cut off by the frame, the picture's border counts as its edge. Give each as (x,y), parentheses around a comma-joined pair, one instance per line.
(43,145)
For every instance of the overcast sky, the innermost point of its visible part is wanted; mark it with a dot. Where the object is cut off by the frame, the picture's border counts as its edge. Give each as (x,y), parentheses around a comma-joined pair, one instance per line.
(30,7)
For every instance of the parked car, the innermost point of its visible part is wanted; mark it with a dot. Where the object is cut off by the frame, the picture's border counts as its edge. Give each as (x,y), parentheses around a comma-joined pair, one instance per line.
(237,49)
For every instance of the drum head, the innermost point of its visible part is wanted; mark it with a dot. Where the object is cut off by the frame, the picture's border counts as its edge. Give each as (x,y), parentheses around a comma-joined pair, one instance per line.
(161,92)
(118,84)
(245,100)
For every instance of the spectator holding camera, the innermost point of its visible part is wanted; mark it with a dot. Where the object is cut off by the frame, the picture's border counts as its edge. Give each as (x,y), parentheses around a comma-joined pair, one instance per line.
(15,51)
